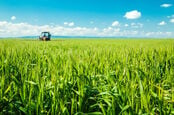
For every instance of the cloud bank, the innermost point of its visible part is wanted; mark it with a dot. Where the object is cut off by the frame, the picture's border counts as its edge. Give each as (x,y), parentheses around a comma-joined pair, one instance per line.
(9,29)
(69,23)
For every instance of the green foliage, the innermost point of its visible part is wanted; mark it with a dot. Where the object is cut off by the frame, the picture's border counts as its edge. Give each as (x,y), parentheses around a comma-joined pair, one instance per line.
(87,77)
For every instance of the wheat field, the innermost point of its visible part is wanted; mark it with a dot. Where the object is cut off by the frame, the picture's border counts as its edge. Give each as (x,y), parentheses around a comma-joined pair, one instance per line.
(87,76)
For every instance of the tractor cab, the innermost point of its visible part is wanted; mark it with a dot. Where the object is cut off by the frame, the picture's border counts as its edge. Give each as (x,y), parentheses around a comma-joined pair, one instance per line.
(45,36)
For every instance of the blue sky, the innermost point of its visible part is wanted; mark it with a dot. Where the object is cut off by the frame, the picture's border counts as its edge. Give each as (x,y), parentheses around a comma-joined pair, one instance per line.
(129,18)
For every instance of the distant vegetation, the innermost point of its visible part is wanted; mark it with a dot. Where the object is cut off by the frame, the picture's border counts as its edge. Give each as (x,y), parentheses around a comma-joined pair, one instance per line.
(107,77)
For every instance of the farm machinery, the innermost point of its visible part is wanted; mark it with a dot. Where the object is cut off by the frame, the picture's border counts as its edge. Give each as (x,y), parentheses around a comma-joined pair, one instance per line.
(45,36)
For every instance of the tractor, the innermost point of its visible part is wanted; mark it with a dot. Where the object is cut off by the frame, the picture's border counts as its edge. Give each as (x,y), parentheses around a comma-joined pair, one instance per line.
(45,36)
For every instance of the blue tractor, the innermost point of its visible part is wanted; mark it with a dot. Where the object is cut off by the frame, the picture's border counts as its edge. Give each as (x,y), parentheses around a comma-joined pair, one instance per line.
(45,36)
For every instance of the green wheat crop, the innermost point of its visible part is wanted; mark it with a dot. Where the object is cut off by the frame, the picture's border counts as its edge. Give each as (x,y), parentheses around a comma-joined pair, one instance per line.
(108,77)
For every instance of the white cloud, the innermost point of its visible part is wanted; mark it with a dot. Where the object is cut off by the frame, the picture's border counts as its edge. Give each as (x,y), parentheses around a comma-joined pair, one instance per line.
(172,20)
(132,14)
(126,25)
(162,23)
(65,23)
(136,25)
(159,34)
(115,23)
(13,18)
(69,23)
(109,31)
(25,29)
(166,5)
(10,29)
